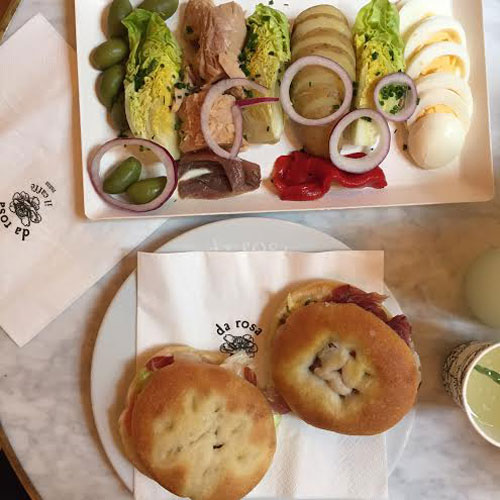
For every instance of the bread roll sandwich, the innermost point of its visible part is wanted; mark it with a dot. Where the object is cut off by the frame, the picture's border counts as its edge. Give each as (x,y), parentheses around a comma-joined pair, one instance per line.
(198,429)
(341,361)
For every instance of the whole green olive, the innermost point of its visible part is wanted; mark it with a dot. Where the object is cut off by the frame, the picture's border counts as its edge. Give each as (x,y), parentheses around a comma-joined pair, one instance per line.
(109,53)
(110,84)
(123,176)
(118,10)
(166,8)
(118,115)
(147,190)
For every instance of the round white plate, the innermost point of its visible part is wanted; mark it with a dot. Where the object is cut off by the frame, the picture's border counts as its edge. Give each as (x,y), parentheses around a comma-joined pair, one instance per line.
(113,362)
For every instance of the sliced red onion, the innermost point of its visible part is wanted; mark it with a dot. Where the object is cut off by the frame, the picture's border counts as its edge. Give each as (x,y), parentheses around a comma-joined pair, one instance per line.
(371,160)
(214,92)
(245,103)
(302,63)
(238,131)
(410,100)
(162,154)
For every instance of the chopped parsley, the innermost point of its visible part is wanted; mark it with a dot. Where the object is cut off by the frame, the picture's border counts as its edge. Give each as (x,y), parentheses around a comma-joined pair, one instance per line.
(271,2)
(391,53)
(335,107)
(248,93)
(271,53)
(374,56)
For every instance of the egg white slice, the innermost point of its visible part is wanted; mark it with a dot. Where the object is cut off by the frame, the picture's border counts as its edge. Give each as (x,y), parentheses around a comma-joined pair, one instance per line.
(424,58)
(436,81)
(444,97)
(429,28)
(436,140)
(414,11)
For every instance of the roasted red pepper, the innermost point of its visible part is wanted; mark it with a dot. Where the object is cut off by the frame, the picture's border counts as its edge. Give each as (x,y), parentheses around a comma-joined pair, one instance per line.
(300,176)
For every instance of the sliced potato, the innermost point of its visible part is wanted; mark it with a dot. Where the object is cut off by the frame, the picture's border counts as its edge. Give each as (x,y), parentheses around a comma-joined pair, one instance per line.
(314,139)
(320,10)
(316,91)
(320,107)
(325,36)
(334,53)
(313,76)
(322,21)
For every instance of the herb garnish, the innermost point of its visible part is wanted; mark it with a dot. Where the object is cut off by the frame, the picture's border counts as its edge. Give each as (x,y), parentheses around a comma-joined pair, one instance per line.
(492,374)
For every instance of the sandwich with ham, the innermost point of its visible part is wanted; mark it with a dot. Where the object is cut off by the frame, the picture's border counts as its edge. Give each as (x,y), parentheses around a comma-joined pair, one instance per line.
(341,361)
(196,423)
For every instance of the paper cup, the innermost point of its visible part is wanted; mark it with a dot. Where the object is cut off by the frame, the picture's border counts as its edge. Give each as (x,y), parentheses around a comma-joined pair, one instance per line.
(456,373)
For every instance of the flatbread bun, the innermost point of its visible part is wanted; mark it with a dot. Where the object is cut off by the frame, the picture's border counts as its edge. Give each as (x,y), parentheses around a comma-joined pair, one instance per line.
(203,432)
(343,369)
(124,421)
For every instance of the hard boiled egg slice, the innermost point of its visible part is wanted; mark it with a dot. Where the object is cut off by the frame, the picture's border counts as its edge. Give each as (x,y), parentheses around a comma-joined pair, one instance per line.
(436,81)
(435,140)
(441,57)
(415,11)
(441,101)
(432,30)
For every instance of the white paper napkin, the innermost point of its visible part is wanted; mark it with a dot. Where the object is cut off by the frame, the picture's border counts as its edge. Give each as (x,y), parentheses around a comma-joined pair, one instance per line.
(49,253)
(200,298)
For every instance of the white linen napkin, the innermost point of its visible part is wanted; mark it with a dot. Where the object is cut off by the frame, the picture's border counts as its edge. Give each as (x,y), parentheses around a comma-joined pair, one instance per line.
(49,252)
(200,298)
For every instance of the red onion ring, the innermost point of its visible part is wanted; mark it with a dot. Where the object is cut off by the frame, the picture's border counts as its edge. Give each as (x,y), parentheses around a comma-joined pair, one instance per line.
(302,63)
(245,103)
(238,131)
(371,160)
(410,101)
(214,92)
(162,154)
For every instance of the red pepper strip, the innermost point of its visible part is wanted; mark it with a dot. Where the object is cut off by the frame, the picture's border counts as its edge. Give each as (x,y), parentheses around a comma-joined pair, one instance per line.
(300,176)
(375,178)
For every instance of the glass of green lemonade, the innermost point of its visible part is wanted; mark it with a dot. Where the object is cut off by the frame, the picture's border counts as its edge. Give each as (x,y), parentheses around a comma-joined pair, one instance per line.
(481,394)
(471,375)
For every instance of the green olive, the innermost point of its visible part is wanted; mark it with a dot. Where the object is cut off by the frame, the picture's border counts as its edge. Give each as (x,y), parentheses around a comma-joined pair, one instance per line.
(110,84)
(109,53)
(123,176)
(147,190)
(118,115)
(118,10)
(166,8)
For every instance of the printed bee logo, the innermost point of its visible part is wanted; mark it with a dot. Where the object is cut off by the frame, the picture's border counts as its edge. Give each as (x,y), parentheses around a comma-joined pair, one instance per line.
(235,343)
(26,208)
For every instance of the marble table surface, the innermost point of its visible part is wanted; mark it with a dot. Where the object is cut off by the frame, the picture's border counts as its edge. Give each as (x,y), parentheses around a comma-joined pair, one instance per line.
(44,388)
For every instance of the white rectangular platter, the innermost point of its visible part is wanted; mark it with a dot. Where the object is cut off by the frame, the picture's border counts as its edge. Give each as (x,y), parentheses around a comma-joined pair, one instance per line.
(470,179)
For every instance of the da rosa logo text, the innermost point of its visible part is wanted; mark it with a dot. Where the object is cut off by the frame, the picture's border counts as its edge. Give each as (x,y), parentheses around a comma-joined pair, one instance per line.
(23,211)
(244,342)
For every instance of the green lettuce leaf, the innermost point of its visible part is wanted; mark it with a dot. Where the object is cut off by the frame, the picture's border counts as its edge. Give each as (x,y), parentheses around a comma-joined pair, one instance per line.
(152,71)
(263,59)
(379,52)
